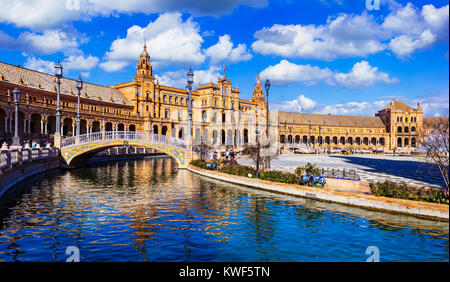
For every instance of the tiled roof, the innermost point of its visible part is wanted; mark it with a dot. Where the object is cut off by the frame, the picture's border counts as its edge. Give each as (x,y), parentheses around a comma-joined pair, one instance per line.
(39,80)
(330,120)
(398,105)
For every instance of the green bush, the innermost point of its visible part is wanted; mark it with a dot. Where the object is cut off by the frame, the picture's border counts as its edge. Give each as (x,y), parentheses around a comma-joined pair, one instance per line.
(403,191)
(199,163)
(279,176)
(239,170)
(307,169)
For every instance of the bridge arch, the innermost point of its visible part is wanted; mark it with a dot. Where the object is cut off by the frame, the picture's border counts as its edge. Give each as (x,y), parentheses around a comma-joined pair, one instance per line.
(76,150)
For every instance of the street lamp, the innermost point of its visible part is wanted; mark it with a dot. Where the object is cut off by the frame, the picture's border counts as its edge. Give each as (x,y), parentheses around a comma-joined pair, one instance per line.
(58,74)
(257,153)
(190,80)
(201,147)
(16,138)
(267,85)
(79,87)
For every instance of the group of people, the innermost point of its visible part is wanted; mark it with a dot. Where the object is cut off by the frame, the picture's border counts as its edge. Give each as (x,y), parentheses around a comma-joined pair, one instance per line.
(228,157)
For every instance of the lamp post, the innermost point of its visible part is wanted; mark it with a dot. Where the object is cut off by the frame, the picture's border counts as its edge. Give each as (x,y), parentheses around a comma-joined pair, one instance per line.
(16,138)
(190,80)
(267,85)
(58,74)
(79,87)
(257,153)
(201,147)
(309,135)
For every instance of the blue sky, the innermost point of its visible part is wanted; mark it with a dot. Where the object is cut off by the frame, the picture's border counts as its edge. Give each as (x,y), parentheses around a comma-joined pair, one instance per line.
(322,56)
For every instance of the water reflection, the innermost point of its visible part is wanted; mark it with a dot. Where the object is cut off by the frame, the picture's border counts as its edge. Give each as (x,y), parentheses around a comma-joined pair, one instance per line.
(147,210)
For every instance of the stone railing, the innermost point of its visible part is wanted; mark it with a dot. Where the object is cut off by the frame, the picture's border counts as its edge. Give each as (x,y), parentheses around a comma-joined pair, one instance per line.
(123,136)
(16,156)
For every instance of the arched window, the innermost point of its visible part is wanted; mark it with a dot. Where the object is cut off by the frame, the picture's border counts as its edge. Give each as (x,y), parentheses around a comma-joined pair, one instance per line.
(399,129)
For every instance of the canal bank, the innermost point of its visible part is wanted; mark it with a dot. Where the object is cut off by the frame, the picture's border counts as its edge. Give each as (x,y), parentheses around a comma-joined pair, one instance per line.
(414,208)
(15,174)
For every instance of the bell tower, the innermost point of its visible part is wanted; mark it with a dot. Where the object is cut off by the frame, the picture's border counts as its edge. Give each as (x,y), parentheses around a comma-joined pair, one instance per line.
(144,68)
(258,95)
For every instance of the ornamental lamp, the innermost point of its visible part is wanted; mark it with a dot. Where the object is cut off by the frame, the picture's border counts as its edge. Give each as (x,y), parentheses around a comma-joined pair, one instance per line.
(58,70)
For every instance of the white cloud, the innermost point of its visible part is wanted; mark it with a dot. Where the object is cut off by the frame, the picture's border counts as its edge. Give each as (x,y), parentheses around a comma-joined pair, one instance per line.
(299,104)
(361,75)
(223,51)
(178,78)
(414,30)
(45,43)
(353,108)
(286,72)
(40,65)
(435,105)
(344,36)
(42,14)
(405,30)
(80,62)
(70,63)
(169,40)
(49,42)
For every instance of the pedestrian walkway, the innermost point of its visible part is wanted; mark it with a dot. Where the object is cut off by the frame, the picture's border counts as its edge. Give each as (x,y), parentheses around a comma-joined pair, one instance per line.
(411,170)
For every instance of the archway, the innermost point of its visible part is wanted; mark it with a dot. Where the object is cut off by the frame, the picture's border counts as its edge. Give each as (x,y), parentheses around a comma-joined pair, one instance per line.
(96,126)
(109,126)
(132,127)
(164,130)
(51,124)
(67,127)
(35,123)
(3,127)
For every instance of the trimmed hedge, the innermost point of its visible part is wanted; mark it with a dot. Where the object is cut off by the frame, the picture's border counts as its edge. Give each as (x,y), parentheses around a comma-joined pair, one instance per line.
(403,191)
(238,170)
(199,163)
(279,176)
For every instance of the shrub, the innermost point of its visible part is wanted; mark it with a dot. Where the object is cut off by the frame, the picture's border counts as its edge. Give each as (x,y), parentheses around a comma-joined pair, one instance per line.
(309,169)
(199,163)
(239,170)
(403,191)
(279,176)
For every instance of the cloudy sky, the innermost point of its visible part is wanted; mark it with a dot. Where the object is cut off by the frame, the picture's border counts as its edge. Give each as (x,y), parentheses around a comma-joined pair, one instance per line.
(322,56)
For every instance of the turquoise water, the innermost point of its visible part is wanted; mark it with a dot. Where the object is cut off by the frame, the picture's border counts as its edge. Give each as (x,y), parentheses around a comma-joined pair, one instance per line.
(147,210)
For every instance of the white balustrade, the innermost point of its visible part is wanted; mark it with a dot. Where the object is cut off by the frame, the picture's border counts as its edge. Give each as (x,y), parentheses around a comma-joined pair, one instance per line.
(9,158)
(123,136)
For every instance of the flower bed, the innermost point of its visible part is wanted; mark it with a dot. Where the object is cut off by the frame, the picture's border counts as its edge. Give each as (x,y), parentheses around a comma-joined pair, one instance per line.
(403,191)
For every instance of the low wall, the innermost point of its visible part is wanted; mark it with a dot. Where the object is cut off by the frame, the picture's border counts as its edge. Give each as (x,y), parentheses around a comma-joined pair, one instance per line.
(414,208)
(13,175)
(348,185)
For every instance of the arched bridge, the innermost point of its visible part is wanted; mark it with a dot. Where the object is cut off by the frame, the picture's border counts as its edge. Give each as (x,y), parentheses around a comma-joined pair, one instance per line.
(74,148)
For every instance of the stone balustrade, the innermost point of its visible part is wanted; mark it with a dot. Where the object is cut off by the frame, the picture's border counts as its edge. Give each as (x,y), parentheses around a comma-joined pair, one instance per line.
(10,157)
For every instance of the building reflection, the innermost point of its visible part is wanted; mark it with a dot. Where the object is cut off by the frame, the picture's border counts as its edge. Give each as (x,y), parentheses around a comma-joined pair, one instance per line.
(143,201)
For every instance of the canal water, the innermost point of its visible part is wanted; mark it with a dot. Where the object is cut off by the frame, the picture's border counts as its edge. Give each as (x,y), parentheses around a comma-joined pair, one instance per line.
(147,210)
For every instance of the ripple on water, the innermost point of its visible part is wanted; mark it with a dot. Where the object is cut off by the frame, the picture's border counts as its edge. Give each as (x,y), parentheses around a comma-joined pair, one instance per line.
(148,211)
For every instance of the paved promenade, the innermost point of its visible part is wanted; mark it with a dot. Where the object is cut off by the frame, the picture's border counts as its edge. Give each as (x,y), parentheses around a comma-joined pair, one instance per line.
(412,170)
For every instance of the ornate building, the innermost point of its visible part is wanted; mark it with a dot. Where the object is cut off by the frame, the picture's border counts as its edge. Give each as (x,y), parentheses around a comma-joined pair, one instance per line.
(220,117)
